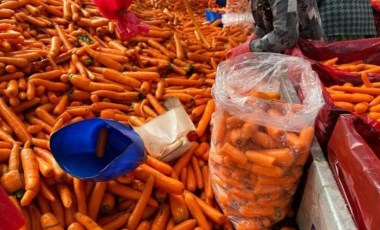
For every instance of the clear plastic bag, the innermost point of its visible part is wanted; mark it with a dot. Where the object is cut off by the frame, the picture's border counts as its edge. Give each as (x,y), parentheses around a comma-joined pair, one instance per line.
(266,106)
(238,12)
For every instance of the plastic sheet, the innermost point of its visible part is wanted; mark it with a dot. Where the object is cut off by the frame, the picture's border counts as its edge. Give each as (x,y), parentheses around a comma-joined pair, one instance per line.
(354,157)
(74,148)
(238,12)
(367,50)
(266,105)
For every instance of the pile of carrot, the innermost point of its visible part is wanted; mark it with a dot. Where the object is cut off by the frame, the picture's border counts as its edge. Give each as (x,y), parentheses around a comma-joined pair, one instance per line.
(364,99)
(62,62)
(255,169)
(358,66)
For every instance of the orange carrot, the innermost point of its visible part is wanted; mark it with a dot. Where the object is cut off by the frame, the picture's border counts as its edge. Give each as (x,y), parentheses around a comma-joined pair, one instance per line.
(65,194)
(79,190)
(108,62)
(161,181)
(235,154)
(11,181)
(206,117)
(345,105)
(96,199)
(86,221)
(127,192)
(75,226)
(122,78)
(45,168)
(186,225)
(144,225)
(156,105)
(178,208)
(14,122)
(196,211)
(30,167)
(141,204)
(162,217)
(159,165)
(108,203)
(361,107)
(50,221)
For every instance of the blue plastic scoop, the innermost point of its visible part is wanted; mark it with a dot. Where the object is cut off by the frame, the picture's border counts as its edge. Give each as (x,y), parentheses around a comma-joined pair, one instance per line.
(74,148)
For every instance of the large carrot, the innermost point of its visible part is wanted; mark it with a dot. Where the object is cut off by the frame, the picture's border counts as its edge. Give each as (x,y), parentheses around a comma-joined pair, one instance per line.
(96,199)
(178,208)
(86,221)
(50,221)
(14,122)
(141,204)
(206,117)
(30,167)
(196,211)
(103,59)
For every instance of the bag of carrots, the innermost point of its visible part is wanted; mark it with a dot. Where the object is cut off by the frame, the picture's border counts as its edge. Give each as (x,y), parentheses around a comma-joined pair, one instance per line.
(337,63)
(238,12)
(263,128)
(354,158)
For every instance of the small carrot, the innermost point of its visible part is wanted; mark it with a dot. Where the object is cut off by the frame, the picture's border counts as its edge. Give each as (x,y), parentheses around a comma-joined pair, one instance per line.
(162,217)
(235,154)
(86,221)
(108,203)
(11,181)
(186,225)
(178,208)
(144,225)
(30,167)
(45,168)
(184,160)
(141,204)
(79,190)
(14,158)
(361,107)
(143,76)
(190,180)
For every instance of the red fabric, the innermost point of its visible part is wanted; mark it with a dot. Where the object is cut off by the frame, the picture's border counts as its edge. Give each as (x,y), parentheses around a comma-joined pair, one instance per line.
(376,5)
(353,155)
(128,25)
(10,217)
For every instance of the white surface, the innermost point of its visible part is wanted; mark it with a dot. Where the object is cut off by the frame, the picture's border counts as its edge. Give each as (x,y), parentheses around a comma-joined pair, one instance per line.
(322,206)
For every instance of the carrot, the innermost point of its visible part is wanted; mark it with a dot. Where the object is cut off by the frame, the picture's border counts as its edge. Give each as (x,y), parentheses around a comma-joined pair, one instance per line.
(184,160)
(65,194)
(263,139)
(162,217)
(48,157)
(375,101)
(96,199)
(30,167)
(235,154)
(12,88)
(62,36)
(141,204)
(118,222)
(345,105)
(127,192)
(143,76)
(186,225)
(144,225)
(159,165)
(197,173)
(196,211)
(86,84)
(86,221)
(156,105)
(45,168)
(14,122)
(178,208)
(136,121)
(179,49)
(79,190)
(357,91)
(53,86)
(160,47)
(108,62)
(101,143)
(122,78)
(14,158)
(206,117)
(11,181)
(4,155)
(190,180)
(18,62)
(330,62)
(50,221)
(375,108)
(161,181)
(75,226)
(260,159)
